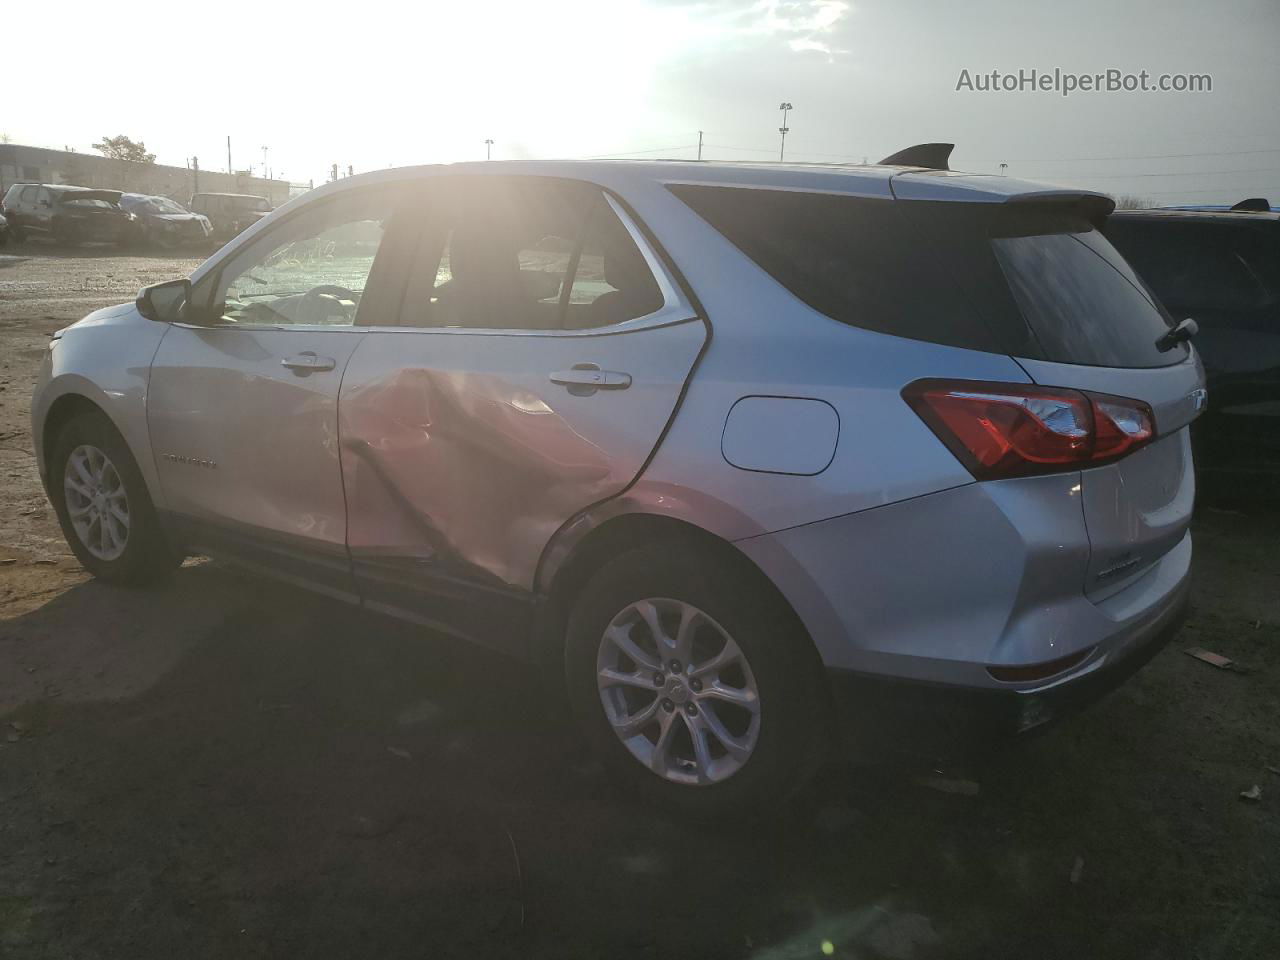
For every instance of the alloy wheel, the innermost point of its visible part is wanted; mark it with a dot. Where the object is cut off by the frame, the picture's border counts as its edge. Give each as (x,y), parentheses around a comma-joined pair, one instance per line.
(678,691)
(96,502)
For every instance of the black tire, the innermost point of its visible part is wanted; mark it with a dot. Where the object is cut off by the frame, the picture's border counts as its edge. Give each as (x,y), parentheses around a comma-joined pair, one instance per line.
(147,555)
(793,735)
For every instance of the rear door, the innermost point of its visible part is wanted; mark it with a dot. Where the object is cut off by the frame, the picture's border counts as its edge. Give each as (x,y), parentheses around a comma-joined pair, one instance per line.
(1097,328)
(243,408)
(542,350)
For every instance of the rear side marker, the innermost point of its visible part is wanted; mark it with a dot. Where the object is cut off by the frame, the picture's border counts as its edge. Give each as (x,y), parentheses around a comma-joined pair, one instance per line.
(1003,430)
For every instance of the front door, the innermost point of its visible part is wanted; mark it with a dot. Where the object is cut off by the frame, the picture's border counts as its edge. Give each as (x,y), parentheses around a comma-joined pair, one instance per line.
(542,351)
(243,406)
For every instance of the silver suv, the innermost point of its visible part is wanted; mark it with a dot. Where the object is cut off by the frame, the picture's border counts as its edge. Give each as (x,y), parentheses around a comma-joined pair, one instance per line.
(752,453)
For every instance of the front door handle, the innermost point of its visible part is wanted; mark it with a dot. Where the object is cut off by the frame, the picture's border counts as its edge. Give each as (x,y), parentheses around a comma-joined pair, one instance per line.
(307,362)
(589,375)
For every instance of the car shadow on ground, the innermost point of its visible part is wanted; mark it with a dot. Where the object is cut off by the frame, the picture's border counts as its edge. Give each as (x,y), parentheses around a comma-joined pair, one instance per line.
(294,777)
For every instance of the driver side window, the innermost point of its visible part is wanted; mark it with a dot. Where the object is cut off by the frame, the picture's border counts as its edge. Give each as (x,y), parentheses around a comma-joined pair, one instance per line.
(310,270)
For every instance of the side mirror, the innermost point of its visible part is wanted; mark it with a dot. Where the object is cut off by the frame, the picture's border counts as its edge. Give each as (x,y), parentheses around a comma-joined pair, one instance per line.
(164,302)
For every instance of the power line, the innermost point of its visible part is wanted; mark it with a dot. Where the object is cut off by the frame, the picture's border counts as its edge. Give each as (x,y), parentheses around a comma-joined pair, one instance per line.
(1152,156)
(1218,192)
(1183,173)
(628,153)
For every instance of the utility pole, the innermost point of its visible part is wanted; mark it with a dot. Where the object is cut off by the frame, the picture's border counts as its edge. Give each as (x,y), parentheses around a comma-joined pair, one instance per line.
(1003,168)
(195,174)
(229,170)
(699,144)
(351,170)
(785,107)
(488,146)
(265,172)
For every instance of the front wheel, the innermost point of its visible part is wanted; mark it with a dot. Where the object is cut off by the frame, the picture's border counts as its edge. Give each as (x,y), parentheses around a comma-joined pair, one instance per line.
(695,684)
(103,506)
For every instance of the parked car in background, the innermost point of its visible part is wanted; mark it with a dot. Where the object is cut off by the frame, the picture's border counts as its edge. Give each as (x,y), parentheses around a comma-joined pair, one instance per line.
(66,213)
(931,473)
(230,213)
(1222,269)
(165,223)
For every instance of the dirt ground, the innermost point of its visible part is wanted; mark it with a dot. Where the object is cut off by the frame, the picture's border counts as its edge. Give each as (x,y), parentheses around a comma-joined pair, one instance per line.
(225,767)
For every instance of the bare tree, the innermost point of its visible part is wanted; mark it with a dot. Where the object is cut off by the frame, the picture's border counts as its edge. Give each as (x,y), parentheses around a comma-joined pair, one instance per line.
(122,148)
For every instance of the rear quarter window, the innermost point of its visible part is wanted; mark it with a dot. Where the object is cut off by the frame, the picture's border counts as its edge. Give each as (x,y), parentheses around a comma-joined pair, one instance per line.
(1027,280)
(854,259)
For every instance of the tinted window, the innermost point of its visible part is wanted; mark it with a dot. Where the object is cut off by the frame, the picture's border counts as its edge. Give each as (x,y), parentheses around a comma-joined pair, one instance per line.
(612,282)
(527,255)
(1083,301)
(856,260)
(29,195)
(1021,280)
(1202,267)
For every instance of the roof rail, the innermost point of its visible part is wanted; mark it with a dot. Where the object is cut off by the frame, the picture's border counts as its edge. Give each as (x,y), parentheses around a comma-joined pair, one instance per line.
(934,156)
(1254,205)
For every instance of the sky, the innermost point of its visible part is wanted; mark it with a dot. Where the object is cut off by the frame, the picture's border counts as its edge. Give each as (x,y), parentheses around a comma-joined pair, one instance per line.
(374,83)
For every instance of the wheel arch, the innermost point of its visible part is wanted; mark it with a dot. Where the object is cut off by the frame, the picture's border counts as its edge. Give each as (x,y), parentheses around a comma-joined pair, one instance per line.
(627,531)
(62,411)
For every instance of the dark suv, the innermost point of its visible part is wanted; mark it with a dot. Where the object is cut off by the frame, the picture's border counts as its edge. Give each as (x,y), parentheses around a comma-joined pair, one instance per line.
(67,214)
(230,213)
(1222,269)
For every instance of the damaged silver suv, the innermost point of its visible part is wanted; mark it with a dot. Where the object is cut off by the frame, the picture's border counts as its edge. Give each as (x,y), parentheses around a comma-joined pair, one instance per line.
(763,457)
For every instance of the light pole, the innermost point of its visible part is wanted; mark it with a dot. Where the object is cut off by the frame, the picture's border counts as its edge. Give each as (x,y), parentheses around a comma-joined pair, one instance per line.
(785,107)
(264,164)
(488,148)
(1003,168)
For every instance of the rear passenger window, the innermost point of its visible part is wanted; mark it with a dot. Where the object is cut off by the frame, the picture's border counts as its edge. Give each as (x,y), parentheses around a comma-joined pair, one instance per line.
(525,254)
(612,282)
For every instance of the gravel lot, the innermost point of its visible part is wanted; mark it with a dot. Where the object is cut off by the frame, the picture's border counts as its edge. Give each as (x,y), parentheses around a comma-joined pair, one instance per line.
(226,767)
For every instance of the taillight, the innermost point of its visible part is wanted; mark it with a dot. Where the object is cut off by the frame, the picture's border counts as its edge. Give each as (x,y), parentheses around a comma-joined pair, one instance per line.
(1001,430)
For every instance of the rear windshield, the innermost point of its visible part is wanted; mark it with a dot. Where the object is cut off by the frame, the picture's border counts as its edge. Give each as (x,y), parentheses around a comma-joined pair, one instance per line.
(1082,300)
(1021,281)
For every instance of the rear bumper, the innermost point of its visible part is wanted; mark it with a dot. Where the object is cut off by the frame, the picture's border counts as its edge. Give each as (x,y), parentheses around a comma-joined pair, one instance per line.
(883,716)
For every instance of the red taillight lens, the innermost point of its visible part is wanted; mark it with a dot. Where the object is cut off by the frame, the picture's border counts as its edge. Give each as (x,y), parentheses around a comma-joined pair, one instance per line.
(1002,430)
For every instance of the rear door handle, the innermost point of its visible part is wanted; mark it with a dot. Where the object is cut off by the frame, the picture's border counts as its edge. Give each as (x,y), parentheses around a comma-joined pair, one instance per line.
(591,376)
(307,362)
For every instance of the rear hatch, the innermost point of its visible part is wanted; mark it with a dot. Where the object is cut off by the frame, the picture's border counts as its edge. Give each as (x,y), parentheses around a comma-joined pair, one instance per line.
(1076,316)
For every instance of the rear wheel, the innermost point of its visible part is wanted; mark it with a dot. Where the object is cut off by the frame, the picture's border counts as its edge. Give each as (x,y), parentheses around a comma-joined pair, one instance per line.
(103,506)
(695,686)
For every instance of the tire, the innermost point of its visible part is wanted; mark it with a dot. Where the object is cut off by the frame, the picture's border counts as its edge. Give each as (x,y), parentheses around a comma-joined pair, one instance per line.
(133,551)
(730,608)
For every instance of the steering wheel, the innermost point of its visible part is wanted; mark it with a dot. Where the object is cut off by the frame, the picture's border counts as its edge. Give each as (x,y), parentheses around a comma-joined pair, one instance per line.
(328,300)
